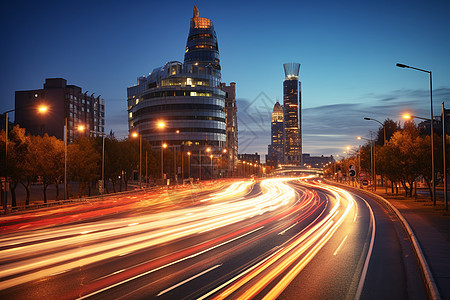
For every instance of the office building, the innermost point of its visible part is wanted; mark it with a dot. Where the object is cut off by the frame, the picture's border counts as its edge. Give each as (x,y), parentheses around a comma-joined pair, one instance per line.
(64,102)
(231,145)
(292,115)
(188,98)
(275,154)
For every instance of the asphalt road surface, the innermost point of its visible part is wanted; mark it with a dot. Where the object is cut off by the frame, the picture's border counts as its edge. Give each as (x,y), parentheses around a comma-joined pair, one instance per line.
(277,238)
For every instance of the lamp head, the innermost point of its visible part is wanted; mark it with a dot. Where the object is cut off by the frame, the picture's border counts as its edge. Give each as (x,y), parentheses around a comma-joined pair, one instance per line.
(402,66)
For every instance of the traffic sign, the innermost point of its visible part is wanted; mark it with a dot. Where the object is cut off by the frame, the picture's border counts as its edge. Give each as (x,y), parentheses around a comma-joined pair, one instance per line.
(365,182)
(352,170)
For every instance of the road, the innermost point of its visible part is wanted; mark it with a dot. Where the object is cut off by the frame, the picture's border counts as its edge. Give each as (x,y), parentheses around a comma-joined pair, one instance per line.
(277,238)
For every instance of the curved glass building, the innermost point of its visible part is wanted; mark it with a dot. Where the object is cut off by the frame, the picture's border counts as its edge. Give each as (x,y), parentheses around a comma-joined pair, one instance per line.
(187,97)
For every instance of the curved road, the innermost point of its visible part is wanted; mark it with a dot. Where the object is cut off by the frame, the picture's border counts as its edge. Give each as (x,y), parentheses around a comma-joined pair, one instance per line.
(278,238)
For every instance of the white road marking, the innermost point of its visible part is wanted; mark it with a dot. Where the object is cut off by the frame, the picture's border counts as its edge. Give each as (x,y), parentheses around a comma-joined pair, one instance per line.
(340,245)
(187,280)
(369,254)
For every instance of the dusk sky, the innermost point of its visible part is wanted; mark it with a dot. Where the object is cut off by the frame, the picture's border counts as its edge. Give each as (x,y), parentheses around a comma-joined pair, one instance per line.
(347,51)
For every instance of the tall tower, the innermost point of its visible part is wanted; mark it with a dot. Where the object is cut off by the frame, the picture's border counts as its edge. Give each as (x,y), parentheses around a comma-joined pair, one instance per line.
(202,50)
(188,98)
(292,115)
(276,148)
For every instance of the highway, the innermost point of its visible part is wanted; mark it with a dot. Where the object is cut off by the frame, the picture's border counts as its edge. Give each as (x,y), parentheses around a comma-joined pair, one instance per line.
(285,238)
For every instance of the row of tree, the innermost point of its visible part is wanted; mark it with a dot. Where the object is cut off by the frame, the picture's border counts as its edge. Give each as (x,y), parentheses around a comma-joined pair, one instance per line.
(41,158)
(402,159)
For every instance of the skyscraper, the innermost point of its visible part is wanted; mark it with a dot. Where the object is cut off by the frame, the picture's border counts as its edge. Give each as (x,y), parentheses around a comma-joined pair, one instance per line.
(292,115)
(187,97)
(276,147)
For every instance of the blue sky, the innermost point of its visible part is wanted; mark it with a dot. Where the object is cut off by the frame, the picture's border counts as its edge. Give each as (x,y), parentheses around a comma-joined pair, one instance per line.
(347,50)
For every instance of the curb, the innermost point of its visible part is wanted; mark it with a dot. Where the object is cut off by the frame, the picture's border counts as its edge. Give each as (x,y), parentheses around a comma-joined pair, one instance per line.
(426,272)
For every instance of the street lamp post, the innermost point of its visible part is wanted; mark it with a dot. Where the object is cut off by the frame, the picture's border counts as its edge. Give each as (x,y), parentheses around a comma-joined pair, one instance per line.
(431,122)
(207,150)
(82,128)
(5,200)
(189,165)
(162,125)
(211,158)
(135,135)
(164,145)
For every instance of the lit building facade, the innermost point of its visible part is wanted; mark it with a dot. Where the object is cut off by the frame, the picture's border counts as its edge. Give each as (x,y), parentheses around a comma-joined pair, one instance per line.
(230,155)
(64,102)
(292,115)
(188,98)
(275,154)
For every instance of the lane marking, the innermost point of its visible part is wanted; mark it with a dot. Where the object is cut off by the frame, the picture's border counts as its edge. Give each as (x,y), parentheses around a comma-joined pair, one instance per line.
(187,280)
(340,245)
(369,253)
(284,231)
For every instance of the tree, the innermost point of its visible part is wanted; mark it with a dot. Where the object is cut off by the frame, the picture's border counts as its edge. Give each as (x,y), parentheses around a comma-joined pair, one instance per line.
(391,127)
(83,163)
(49,160)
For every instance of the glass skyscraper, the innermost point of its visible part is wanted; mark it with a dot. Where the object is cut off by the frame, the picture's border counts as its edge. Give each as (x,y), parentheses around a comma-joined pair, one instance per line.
(276,148)
(187,97)
(292,115)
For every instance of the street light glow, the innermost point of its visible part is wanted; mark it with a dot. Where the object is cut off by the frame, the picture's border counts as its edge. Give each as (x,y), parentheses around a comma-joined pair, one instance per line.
(81,128)
(161,124)
(135,134)
(164,145)
(42,109)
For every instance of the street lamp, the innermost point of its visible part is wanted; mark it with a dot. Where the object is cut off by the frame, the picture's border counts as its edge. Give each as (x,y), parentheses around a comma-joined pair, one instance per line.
(384,127)
(163,146)
(431,122)
(372,161)
(189,164)
(211,158)
(161,125)
(135,135)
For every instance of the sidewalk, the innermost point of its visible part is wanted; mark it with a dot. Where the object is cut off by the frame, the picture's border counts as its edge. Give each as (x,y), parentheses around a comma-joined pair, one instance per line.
(431,225)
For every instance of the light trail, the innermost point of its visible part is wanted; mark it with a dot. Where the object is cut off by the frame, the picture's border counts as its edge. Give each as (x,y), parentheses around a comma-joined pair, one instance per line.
(294,256)
(105,240)
(65,248)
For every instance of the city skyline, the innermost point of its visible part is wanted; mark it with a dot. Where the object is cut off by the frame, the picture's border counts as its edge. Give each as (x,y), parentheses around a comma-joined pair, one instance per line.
(348,54)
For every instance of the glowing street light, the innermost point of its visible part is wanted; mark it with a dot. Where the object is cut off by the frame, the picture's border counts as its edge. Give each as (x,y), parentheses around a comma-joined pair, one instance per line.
(189,164)
(431,123)
(161,124)
(135,135)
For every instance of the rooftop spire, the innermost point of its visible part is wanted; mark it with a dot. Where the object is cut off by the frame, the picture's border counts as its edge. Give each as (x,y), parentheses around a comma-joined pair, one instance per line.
(195,12)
